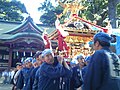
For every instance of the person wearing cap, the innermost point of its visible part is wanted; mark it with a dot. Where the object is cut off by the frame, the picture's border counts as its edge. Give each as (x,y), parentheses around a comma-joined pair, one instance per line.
(16,74)
(18,67)
(32,74)
(80,59)
(104,67)
(38,57)
(24,74)
(50,72)
(85,68)
(33,80)
(34,63)
(35,76)
(76,80)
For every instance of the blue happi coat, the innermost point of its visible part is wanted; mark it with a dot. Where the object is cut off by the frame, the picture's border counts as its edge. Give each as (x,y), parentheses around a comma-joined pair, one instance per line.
(23,78)
(49,76)
(32,78)
(103,71)
(76,80)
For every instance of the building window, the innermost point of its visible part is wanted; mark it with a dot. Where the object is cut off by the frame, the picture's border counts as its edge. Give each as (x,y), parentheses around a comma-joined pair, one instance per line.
(6,57)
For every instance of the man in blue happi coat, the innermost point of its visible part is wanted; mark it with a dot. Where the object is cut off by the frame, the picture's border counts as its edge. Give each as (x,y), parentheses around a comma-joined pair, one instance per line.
(24,75)
(51,71)
(32,75)
(104,68)
(77,79)
(38,61)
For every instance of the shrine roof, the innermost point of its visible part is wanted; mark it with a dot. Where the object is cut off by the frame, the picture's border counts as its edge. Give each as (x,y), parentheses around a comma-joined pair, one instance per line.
(10,37)
(7,25)
(11,30)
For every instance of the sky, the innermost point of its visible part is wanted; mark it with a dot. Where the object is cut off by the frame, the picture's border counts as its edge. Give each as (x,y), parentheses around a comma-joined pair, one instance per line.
(32,8)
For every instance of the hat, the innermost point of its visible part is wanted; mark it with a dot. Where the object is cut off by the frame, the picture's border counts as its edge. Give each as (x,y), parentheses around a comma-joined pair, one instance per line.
(81,56)
(103,37)
(29,59)
(33,61)
(46,51)
(37,54)
(73,62)
(18,63)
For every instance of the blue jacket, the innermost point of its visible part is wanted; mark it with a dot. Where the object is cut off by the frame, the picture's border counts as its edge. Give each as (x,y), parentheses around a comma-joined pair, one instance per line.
(36,80)
(99,76)
(84,70)
(23,78)
(32,78)
(49,76)
(76,80)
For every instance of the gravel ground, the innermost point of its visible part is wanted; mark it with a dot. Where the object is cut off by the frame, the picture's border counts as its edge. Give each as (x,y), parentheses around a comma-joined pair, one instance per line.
(5,87)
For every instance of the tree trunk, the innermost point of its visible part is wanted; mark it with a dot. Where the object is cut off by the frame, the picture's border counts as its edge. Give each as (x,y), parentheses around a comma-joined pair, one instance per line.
(112,12)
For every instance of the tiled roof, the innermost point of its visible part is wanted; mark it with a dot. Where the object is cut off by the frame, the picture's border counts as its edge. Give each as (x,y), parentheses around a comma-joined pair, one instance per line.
(10,30)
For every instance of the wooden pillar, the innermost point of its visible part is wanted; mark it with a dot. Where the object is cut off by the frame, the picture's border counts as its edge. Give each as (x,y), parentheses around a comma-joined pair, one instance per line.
(10,58)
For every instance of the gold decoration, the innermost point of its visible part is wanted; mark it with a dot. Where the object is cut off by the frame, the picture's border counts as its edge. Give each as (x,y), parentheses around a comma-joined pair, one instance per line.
(73,8)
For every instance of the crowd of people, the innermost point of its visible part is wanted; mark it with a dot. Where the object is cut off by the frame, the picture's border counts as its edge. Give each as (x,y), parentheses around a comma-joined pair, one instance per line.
(46,71)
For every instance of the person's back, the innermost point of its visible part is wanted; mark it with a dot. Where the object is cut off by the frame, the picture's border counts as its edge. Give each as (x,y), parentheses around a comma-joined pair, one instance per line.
(104,68)
(107,68)
(111,70)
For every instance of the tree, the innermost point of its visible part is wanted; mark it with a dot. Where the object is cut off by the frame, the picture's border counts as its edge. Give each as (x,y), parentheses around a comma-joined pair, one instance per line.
(112,12)
(11,10)
(102,9)
(118,6)
(49,12)
(97,10)
(118,10)
(48,16)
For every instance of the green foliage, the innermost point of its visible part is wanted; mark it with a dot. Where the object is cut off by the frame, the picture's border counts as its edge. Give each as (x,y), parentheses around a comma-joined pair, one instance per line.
(118,10)
(48,17)
(58,9)
(46,6)
(96,10)
(11,10)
